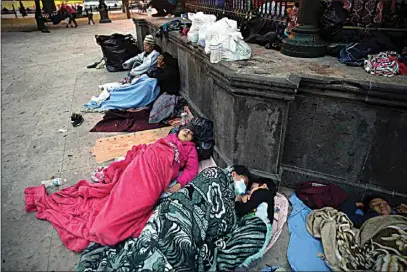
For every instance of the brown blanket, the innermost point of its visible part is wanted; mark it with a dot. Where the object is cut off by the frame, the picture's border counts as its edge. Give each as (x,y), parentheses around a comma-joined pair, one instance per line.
(380,244)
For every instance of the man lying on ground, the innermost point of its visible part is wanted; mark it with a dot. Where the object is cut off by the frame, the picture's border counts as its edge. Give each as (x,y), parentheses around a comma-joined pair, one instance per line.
(372,206)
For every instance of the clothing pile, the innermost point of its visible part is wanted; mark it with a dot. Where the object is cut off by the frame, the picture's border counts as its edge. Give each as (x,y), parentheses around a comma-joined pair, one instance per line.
(355,54)
(177,24)
(385,64)
(264,32)
(125,121)
(377,55)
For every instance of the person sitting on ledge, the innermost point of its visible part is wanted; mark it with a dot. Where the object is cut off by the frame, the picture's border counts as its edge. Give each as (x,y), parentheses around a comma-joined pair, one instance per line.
(164,7)
(143,62)
(372,206)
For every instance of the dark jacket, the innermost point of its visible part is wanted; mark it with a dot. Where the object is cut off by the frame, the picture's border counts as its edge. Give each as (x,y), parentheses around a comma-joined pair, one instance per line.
(168,77)
(349,208)
(258,197)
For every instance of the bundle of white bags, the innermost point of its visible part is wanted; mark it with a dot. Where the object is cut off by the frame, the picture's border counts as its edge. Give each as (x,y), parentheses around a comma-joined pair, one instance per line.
(221,39)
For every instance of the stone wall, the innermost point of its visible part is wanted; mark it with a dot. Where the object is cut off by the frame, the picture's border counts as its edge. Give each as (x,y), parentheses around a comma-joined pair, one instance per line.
(296,128)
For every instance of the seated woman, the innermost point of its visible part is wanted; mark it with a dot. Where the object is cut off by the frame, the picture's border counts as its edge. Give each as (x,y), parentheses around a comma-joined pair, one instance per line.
(372,206)
(141,92)
(167,74)
(119,206)
(261,191)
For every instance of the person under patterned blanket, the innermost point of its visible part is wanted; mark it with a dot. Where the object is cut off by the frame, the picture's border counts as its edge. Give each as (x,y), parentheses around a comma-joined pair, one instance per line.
(119,206)
(195,229)
(261,191)
(372,206)
(379,245)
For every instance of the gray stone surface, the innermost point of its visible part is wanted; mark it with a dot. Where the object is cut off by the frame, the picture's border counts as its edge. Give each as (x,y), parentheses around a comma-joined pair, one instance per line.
(44,80)
(296,119)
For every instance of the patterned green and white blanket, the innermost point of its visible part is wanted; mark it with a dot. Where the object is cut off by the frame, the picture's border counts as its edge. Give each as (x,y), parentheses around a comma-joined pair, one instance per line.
(195,229)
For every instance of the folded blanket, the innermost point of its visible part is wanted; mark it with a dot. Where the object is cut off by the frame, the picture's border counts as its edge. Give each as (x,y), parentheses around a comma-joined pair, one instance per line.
(195,229)
(124,121)
(379,245)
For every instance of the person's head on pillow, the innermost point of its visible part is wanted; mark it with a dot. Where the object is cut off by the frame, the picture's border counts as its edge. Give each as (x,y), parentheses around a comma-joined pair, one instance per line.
(187,133)
(377,204)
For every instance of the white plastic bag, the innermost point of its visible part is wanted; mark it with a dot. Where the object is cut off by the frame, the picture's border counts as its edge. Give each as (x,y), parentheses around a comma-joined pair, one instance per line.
(225,42)
(197,21)
(208,21)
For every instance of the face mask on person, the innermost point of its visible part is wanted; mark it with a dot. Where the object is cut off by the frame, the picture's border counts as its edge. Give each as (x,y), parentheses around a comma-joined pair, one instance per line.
(240,187)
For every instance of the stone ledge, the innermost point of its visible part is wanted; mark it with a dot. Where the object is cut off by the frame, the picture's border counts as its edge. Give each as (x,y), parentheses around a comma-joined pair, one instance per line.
(271,74)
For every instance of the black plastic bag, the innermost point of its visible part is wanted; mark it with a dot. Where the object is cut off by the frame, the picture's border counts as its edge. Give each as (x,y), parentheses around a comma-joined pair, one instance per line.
(117,48)
(332,20)
(204,139)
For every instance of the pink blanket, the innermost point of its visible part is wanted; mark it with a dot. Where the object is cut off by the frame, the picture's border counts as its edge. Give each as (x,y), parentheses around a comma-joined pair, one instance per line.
(111,211)
(280,217)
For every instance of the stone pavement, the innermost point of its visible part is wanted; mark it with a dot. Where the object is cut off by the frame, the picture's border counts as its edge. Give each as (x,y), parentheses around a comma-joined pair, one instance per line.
(44,80)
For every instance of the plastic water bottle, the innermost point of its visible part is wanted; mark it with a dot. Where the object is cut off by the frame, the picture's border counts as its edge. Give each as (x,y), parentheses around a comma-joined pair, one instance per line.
(149,11)
(216,53)
(184,117)
(53,182)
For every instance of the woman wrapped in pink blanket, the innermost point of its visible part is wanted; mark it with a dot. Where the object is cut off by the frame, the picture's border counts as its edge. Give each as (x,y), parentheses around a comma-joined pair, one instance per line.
(118,207)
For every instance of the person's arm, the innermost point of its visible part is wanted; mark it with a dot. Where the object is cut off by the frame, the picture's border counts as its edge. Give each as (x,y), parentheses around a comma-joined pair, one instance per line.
(129,63)
(191,168)
(256,199)
(150,61)
(349,208)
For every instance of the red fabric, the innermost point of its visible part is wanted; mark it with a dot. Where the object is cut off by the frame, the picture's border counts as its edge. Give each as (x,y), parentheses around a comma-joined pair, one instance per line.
(114,210)
(187,160)
(119,121)
(402,66)
(317,195)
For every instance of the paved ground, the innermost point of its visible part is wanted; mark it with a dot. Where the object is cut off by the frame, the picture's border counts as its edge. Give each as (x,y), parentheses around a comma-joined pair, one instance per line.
(44,80)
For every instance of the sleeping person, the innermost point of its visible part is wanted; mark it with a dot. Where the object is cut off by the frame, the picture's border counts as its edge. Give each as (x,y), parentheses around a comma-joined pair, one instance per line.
(261,191)
(119,206)
(371,206)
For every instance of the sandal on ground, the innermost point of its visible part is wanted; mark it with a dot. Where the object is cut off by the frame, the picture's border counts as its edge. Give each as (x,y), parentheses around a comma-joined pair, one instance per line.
(76,119)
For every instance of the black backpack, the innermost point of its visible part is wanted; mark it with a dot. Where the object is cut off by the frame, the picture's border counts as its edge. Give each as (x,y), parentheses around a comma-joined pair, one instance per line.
(204,139)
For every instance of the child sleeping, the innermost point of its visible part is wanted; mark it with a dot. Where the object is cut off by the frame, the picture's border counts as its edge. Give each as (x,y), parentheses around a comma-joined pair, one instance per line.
(261,191)
(119,206)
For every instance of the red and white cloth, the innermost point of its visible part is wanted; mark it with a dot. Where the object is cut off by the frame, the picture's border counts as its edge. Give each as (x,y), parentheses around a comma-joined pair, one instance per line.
(382,64)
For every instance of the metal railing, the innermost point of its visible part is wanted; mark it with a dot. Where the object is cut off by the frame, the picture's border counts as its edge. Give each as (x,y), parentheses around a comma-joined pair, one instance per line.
(361,13)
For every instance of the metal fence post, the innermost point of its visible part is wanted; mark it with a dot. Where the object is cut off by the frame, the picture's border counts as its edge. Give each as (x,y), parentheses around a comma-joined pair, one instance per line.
(304,41)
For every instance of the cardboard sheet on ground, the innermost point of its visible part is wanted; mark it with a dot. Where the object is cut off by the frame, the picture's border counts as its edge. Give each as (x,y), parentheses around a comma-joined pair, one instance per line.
(109,148)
